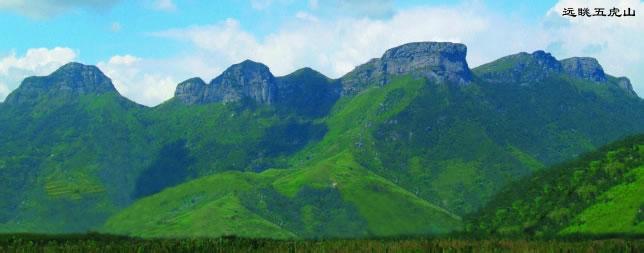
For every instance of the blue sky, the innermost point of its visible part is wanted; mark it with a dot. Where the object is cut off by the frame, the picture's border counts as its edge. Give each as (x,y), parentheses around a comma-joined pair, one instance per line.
(147,46)
(124,27)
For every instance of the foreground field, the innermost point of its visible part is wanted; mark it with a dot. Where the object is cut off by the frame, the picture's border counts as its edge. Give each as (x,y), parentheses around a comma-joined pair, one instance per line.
(107,243)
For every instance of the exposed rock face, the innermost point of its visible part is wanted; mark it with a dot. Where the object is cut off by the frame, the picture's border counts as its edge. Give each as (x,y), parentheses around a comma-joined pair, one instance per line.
(436,61)
(625,84)
(191,91)
(247,79)
(584,68)
(521,68)
(305,90)
(72,79)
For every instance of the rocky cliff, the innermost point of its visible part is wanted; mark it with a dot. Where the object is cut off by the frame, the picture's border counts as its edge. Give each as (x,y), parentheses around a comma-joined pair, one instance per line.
(246,79)
(436,61)
(584,68)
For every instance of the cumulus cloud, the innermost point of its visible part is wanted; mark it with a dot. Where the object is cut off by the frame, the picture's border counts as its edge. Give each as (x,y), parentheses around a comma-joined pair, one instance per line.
(48,8)
(36,61)
(335,46)
(139,79)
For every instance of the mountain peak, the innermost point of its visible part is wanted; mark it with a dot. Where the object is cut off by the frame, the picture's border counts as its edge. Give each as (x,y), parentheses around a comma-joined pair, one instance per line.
(586,68)
(520,68)
(546,60)
(245,71)
(247,79)
(436,61)
(70,79)
(191,91)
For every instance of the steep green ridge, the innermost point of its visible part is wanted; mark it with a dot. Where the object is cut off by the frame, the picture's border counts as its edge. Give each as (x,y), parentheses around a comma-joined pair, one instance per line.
(599,193)
(333,198)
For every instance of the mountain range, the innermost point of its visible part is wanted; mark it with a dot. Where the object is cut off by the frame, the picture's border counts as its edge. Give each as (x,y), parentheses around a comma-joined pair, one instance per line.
(407,143)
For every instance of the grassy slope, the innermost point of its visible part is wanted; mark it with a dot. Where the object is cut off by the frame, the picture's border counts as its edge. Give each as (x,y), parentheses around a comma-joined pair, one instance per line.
(618,210)
(55,166)
(599,193)
(387,208)
(203,206)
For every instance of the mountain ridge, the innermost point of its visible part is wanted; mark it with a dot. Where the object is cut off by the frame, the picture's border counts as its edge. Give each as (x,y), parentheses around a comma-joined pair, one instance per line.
(438,61)
(447,144)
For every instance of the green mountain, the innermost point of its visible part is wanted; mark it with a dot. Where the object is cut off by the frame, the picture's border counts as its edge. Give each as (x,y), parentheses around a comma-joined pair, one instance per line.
(356,202)
(75,144)
(404,144)
(455,137)
(601,192)
(69,142)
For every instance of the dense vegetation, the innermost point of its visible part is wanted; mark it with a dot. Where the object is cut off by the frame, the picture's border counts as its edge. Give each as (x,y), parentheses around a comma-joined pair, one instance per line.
(106,243)
(599,193)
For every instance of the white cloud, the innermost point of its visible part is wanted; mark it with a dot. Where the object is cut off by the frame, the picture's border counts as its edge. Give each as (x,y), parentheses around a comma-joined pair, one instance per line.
(615,42)
(141,80)
(225,39)
(48,8)
(336,46)
(36,61)
(165,5)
